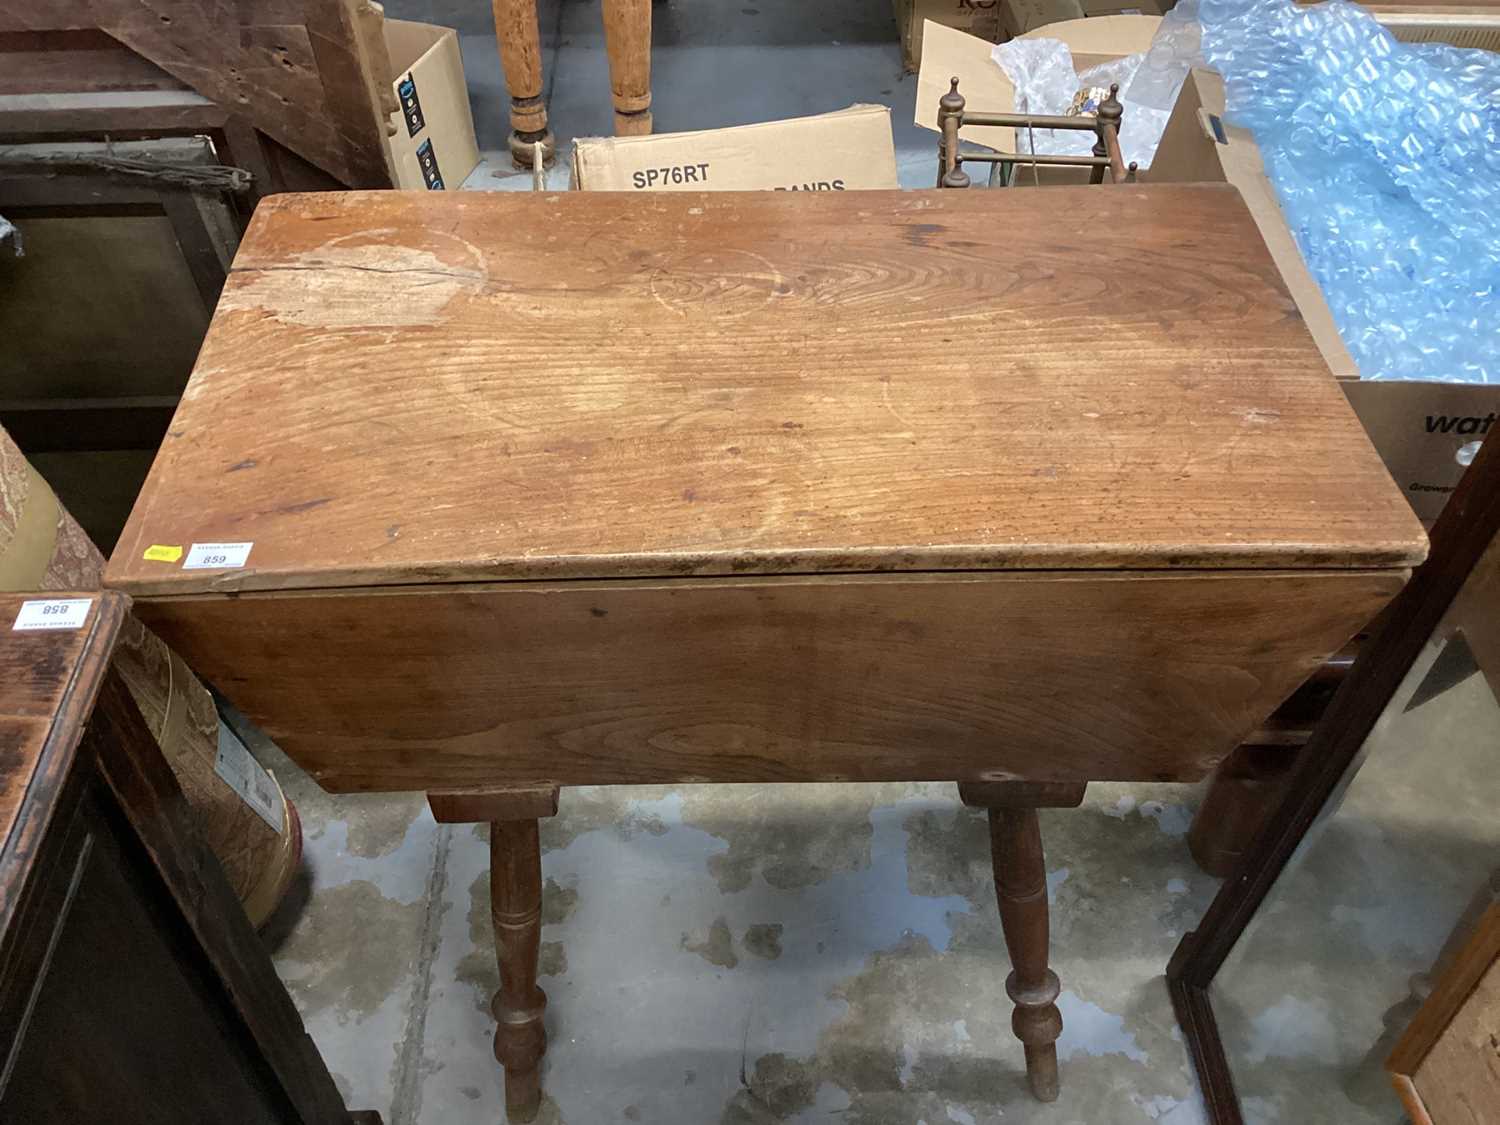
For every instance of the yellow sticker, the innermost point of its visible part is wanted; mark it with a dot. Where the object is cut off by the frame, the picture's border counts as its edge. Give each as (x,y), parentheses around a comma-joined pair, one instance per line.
(157,553)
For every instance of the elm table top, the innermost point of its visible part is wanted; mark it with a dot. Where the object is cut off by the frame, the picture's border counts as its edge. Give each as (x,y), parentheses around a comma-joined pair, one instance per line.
(411,387)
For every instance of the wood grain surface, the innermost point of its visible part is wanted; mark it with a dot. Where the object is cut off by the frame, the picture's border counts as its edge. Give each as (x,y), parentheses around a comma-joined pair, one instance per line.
(1060,677)
(432,387)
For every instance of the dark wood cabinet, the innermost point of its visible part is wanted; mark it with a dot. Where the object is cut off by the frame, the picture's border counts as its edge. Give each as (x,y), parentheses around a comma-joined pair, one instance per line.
(132,987)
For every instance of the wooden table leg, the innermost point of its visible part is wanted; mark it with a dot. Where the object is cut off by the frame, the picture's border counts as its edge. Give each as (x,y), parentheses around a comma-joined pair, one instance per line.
(516,911)
(1021,891)
(520,43)
(627,39)
(1244,790)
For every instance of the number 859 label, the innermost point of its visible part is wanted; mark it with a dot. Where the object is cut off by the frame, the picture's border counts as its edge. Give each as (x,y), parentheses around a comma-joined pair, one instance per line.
(216,556)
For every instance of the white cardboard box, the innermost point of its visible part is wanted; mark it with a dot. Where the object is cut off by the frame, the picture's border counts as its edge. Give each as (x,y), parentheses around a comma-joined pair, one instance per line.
(433,146)
(841,151)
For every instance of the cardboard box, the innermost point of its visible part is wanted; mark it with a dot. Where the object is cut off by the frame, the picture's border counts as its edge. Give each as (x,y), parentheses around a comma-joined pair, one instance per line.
(1127,7)
(433,146)
(846,150)
(976,17)
(1460,25)
(946,52)
(1017,17)
(1424,431)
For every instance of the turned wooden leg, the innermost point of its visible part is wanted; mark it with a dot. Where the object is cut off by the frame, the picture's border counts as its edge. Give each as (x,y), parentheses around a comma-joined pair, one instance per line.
(1021,891)
(516,911)
(520,43)
(1245,788)
(627,39)
(1021,888)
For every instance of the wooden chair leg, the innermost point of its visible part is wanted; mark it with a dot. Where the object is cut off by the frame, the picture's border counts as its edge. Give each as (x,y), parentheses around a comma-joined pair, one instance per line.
(516,911)
(1021,892)
(520,42)
(627,39)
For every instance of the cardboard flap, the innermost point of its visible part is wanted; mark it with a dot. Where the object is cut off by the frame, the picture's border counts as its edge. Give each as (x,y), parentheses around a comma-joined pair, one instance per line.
(948,53)
(408,41)
(431,140)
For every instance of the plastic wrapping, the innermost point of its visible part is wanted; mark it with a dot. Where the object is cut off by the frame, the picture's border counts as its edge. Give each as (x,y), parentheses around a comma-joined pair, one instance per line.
(1175,49)
(1386,161)
(11,233)
(1042,72)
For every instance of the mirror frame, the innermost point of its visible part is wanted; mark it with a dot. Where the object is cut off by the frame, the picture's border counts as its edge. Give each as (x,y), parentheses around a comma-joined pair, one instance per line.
(1463,532)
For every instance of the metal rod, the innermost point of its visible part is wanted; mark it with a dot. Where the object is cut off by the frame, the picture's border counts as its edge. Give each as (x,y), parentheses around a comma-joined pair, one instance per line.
(1117,169)
(1082,123)
(1037,158)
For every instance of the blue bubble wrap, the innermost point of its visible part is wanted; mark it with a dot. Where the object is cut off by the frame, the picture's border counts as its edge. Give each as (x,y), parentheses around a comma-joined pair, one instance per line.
(1386,160)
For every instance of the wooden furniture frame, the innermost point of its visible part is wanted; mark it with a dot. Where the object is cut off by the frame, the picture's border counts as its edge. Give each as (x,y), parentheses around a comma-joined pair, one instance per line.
(95,832)
(207,234)
(1456,980)
(1465,530)
(298,95)
(627,39)
(1251,781)
(754,516)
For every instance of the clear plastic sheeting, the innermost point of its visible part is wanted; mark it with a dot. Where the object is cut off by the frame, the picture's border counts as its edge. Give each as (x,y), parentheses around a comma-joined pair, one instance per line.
(1175,49)
(10,233)
(1042,72)
(1386,161)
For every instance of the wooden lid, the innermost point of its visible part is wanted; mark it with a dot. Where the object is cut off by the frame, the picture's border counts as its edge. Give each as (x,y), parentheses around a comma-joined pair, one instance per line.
(48,681)
(413,387)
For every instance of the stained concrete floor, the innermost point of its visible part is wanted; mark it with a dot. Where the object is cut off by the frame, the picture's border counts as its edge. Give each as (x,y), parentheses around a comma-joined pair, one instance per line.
(745,955)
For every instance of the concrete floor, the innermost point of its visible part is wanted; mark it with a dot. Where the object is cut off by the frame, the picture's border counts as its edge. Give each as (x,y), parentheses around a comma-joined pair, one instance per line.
(1368,901)
(741,955)
(744,954)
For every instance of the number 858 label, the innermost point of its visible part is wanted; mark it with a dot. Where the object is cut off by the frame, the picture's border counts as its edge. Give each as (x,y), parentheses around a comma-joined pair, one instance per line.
(53,613)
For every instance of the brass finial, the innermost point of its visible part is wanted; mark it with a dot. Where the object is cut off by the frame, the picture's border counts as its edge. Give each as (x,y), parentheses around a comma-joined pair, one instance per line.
(1110,109)
(952,101)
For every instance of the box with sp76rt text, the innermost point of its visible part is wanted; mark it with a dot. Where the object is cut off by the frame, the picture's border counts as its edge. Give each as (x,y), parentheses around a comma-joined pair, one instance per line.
(841,151)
